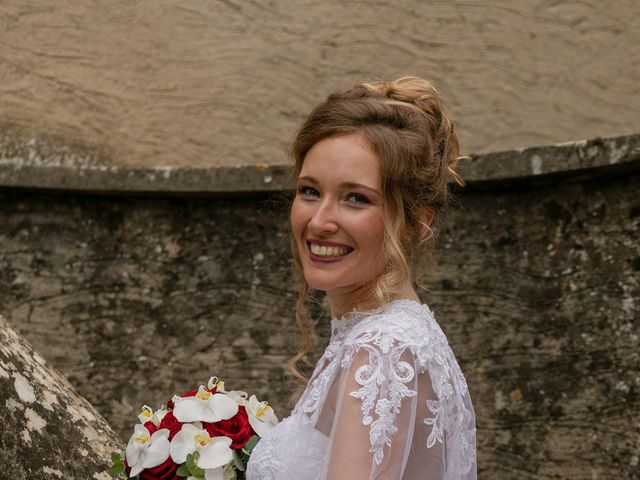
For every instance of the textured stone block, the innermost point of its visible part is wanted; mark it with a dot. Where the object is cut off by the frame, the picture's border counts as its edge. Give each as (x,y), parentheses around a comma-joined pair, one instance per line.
(47,430)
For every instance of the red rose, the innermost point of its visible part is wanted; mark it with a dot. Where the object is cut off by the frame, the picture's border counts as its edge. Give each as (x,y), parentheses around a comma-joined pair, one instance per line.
(151,427)
(170,422)
(237,428)
(164,471)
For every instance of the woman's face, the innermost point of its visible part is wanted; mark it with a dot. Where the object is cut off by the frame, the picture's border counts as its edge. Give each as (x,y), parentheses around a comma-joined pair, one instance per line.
(337,216)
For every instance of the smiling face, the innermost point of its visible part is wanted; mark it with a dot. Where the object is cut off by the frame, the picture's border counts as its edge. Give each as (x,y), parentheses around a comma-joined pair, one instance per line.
(337,217)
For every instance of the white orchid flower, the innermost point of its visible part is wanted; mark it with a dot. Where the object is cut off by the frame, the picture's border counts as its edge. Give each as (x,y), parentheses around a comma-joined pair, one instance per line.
(146,451)
(261,416)
(204,407)
(146,414)
(213,453)
(158,415)
(229,472)
(238,396)
(214,382)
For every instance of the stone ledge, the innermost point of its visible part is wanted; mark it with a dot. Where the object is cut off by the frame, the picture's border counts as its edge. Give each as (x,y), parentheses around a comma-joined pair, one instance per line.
(578,160)
(43,164)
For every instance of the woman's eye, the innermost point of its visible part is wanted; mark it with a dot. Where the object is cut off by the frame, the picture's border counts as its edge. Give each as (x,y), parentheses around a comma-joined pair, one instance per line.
(308,191)
(357,198)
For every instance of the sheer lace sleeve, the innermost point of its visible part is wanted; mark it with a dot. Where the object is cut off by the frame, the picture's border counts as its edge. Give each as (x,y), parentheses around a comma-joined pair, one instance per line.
(374,419)
(398,412)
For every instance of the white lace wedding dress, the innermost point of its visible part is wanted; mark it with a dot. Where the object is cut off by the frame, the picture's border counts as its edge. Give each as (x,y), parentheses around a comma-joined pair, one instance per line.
(387,400)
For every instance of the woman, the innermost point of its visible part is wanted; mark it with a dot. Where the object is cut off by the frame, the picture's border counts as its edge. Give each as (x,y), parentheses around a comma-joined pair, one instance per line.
(387,398)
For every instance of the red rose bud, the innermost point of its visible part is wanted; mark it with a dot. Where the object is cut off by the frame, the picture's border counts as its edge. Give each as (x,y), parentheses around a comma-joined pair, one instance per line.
(170,422)
(237,428)
(164,471)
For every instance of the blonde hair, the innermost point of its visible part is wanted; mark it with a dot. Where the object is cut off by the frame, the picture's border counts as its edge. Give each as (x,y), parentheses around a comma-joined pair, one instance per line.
(404,123)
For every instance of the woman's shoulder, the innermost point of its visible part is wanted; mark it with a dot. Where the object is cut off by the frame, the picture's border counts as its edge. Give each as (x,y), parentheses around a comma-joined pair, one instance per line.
(402,326)
(406,321)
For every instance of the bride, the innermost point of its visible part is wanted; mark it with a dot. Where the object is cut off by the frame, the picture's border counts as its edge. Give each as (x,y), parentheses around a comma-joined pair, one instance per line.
(387,398)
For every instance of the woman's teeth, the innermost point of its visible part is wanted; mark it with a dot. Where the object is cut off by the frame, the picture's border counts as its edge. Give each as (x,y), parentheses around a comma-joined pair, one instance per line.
(323,251)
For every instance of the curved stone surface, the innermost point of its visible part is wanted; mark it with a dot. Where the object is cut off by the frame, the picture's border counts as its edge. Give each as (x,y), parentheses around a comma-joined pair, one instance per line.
(199,83)
(47,430)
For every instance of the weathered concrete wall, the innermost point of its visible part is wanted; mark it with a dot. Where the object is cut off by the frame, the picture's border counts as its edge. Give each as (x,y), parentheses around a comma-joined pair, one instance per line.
(47,430)
(536,285)
(227,82)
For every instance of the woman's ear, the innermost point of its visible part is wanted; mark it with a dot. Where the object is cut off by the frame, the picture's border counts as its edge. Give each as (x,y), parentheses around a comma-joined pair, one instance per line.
(426,218)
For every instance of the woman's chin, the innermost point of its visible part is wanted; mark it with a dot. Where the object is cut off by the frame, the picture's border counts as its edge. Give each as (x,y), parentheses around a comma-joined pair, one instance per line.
(317,282)
(324,282)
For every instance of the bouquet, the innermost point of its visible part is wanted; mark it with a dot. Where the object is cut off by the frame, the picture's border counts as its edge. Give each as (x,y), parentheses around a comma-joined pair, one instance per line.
(207,434)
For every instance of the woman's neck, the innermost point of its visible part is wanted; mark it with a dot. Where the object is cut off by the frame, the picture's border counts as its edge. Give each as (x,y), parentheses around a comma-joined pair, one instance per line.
(341,302)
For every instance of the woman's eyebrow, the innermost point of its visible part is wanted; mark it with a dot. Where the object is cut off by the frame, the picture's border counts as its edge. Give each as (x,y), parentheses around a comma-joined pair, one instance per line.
(308,179)
(358,185)
(344,185)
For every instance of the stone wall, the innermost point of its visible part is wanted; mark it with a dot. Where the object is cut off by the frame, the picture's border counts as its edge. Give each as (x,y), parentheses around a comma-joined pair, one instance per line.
(227,82)
(536,283)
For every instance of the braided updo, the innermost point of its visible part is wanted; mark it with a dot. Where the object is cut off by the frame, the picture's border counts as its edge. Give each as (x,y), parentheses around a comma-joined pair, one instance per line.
(404,123)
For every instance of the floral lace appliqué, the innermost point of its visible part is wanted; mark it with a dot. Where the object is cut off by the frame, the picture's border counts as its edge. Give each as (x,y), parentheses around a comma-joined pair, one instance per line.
(395,374)
(384,380)
(318,384)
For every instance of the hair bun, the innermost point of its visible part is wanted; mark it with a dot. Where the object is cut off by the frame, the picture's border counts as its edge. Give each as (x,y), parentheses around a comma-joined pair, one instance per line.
(418,92)
(412,90)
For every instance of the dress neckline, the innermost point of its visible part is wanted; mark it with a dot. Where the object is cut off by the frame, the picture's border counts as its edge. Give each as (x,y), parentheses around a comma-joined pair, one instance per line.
(344,322)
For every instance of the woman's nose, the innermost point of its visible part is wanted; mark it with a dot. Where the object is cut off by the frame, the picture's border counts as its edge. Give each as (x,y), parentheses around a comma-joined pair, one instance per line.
(324,218)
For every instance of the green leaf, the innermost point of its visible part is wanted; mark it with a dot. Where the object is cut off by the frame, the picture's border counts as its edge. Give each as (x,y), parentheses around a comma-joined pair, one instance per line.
(116,469)
(116,458)
(237,460)
(183,470)
(194,469)
(250,444)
